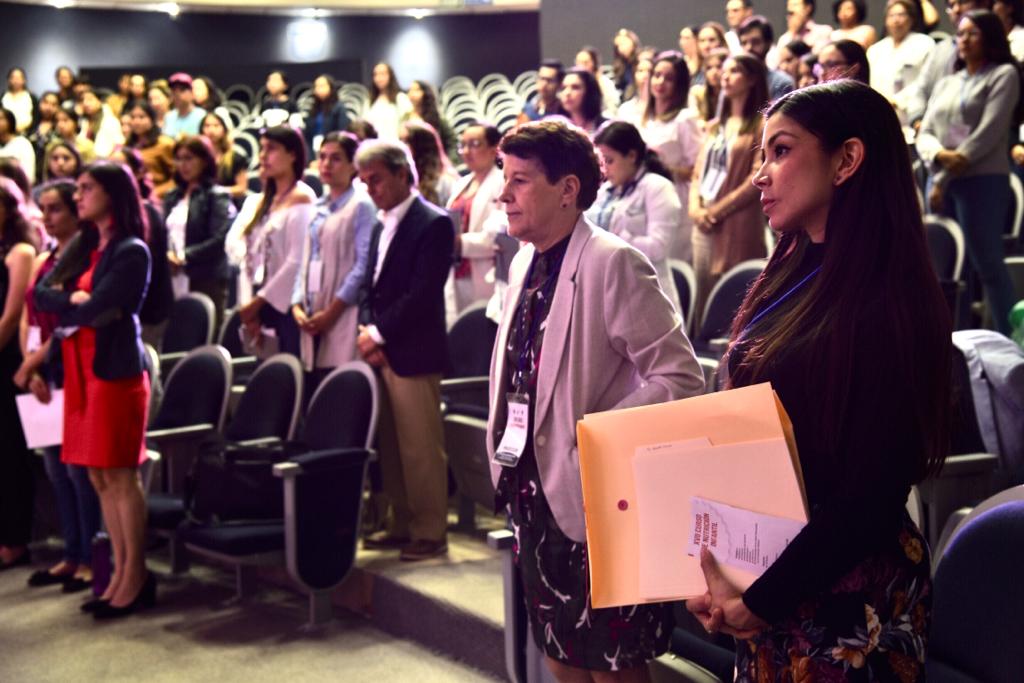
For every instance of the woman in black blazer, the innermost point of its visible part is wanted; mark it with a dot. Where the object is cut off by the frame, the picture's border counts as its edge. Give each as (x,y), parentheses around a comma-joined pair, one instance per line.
(198,214)
(97,289)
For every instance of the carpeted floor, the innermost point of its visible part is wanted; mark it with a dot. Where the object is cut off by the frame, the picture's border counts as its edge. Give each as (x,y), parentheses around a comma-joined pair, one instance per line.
(191,636)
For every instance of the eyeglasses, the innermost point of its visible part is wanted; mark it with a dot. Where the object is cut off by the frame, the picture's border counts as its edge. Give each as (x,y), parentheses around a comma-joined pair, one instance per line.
(472,144)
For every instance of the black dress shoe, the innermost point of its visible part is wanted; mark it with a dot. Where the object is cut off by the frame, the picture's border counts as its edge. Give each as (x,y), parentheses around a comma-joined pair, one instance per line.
(43,577)
(146,597)
(382,540)
(20,561)
(93,605)
(75,584)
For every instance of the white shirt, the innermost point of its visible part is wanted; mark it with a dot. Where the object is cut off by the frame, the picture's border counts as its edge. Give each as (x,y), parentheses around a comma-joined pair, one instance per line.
(1016,38)
(20,149)
(390,220)
(19,104)
(895,68)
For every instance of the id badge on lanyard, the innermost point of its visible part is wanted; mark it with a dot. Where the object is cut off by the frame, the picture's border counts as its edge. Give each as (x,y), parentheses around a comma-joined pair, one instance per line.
(513,442)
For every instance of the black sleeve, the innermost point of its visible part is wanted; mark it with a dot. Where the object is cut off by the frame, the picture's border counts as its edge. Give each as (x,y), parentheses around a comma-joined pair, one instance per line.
(220,215)
(430,270)
(121,288)
(874,469)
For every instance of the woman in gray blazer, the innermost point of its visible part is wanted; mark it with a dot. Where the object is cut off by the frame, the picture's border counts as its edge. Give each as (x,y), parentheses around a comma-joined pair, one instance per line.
(611,339)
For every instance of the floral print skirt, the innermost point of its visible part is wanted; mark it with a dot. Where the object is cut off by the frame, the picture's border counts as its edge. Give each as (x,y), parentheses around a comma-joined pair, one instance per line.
(556,587)
(871,626)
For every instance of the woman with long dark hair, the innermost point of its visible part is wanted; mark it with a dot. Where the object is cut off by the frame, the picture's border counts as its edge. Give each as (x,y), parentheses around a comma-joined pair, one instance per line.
(325,114)
(580,97)
(266,240)
(728,222)
(843,59)
(156,148)
(62,161)
(232,163)
(637,201)
(849,325)
(423,98)
(673,130)
(98,287)
(437,176)
(197,215)
(388,104)
(964,137)
(78,508)
(19,100)
(17,251)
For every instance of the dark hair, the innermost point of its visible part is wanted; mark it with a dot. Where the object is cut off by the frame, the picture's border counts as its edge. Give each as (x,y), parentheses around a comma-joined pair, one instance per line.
(137,165)
(682,87)
(624,138)
(491,133)
(590,107)
(200,147)
(913,11)
(855,55)
(708,105)
(757,96)
(362,129)
(760,23)
(61,144)
(876,259)
(997,50)
(1016,11)
(10,72)
(561,149)
(428,110)
(622,66)
(11,168)
(348,142)
(428,155)
(150,138)
(390,90)
(12,124)
(283,75)
(15,228)
(556,65)
(65,189)
(70,114)
(595,56)
(327,104)
(859,5)
(799,48)
(292,142)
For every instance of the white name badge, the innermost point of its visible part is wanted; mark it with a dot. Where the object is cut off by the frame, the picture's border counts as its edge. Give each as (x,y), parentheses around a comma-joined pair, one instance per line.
(513,442)
(259,275)
(34,339)
(314,276)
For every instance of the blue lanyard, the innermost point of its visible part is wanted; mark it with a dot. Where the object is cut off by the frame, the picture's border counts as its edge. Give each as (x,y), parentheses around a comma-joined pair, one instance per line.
(775,304)
(546,290)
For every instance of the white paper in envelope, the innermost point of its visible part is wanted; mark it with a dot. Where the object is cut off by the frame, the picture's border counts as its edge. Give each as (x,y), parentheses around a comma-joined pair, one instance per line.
(43,423)
(753,475)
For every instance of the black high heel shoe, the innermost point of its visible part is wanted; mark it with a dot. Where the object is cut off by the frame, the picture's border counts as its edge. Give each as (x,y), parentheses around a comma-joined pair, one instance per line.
(93,605)
(145,598)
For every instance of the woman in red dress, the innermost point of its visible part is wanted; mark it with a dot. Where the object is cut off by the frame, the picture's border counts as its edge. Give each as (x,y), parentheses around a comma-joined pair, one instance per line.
(96,289)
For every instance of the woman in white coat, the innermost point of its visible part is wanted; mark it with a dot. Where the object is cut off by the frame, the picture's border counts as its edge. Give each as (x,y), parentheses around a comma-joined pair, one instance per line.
(479,218)
(266,241)
(325,301)
(638,201)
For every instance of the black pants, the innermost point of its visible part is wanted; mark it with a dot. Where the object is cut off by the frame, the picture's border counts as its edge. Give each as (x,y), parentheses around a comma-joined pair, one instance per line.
(284,325)
(16,481)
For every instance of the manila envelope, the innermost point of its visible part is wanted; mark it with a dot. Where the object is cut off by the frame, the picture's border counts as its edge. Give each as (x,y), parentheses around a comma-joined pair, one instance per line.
(608,442)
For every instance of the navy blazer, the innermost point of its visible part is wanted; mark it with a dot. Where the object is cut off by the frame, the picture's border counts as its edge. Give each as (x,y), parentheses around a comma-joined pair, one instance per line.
(210,214)
(406,303)
(118,287)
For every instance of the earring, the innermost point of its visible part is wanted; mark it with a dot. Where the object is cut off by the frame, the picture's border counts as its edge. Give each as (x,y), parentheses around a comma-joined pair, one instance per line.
(565,206)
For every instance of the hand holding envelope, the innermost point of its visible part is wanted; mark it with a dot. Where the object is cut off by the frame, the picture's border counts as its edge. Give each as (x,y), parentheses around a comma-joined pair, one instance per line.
(643,469)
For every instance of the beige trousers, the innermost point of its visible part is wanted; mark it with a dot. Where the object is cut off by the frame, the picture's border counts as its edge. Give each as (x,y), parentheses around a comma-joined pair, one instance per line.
(412,459)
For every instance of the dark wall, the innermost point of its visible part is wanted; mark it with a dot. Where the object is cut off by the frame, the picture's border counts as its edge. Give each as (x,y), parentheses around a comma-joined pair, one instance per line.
(657,22)
(40,38)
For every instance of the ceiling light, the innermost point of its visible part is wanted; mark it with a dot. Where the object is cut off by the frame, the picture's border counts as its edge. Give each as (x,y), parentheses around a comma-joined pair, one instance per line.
(171,8)
(62,4)
(417,13)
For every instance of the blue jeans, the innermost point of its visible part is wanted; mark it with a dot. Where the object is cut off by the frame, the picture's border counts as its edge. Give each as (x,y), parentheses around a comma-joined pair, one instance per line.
(78,507)
(979,204)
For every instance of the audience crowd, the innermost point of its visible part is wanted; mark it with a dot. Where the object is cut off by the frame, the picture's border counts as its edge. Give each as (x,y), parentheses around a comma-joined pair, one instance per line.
(114,204)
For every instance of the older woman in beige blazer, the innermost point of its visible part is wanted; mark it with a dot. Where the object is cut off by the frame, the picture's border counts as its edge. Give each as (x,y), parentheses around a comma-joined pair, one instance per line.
(585,328)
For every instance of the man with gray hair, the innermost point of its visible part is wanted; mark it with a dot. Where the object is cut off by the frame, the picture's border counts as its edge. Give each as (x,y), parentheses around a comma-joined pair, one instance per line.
(402,334)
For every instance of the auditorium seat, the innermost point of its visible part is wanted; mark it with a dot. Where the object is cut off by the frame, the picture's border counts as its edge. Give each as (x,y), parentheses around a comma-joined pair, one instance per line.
(323,476)
(1015,214)
(686,286)
(723,302)
(242,364)
(976,626)
(946,247)
(191,325)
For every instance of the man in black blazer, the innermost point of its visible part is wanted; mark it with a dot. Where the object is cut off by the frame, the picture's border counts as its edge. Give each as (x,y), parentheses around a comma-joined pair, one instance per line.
(402,334)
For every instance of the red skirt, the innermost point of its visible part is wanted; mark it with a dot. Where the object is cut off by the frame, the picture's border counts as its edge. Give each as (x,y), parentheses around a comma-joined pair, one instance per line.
(104,420)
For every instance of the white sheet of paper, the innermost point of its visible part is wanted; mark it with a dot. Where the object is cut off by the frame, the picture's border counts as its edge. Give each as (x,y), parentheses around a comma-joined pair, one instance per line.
(737,537)
(43,424)
(667,476)
(34,339)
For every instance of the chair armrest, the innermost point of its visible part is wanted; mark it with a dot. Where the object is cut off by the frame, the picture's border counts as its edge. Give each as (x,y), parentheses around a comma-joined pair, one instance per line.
(718,346)
(501,540)
(169,360)
(262,442)
(287,470)
(969,464)
(243,363)
(180,434)
(464,384)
